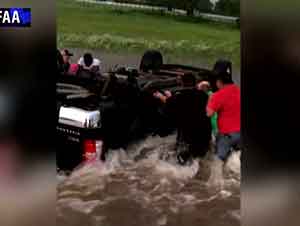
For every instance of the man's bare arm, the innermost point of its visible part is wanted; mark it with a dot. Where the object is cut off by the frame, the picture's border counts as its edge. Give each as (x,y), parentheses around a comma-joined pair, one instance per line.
(209,112)
(160,96)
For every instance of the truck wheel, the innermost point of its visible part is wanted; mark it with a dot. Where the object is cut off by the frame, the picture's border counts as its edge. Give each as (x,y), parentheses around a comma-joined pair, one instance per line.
(151,60)
(223,66)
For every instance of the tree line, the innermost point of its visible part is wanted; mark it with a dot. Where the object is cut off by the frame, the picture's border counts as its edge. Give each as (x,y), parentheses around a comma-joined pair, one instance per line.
(223,7)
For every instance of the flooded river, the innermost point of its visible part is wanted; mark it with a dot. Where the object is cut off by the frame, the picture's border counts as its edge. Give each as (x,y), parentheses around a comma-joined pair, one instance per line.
(144,186)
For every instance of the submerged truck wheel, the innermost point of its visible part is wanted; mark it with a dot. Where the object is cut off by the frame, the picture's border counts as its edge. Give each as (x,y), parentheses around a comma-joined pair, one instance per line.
(151,60)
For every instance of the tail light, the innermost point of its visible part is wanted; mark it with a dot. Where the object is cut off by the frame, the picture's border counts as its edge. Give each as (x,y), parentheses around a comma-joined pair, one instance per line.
(92,149)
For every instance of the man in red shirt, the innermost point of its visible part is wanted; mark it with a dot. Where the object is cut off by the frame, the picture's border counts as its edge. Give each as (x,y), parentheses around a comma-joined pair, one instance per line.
(226,102)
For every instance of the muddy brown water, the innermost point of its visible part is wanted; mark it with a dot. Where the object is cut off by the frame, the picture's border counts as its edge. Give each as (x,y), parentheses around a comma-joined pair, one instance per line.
(110,59)
(142,187)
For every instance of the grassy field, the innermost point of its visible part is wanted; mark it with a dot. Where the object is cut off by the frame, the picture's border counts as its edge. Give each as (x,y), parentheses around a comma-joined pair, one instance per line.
(102,27)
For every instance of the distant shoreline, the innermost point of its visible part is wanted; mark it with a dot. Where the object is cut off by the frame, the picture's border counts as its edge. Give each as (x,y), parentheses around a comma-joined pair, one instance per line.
(95,26)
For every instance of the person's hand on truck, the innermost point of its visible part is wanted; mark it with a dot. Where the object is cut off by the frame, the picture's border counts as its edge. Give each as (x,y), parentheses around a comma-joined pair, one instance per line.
(204,86)
(161,96)
(168,94)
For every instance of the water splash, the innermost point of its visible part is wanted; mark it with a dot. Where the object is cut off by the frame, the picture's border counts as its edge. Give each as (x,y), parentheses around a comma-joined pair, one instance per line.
(147,178)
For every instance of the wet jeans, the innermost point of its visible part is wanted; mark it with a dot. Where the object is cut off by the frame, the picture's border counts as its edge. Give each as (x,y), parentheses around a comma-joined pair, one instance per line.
(225,142)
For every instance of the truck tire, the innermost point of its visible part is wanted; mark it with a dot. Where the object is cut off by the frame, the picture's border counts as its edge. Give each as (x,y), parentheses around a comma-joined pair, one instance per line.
(223,66)
(151,60)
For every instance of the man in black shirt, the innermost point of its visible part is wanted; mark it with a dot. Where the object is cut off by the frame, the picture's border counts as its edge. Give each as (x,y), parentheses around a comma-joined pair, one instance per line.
(187,109)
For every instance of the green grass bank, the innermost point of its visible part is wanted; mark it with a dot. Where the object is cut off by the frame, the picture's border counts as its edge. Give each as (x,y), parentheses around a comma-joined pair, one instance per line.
(92,26)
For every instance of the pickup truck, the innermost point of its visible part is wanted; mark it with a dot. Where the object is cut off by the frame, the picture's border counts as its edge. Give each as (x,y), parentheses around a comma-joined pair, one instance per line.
(109,113)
